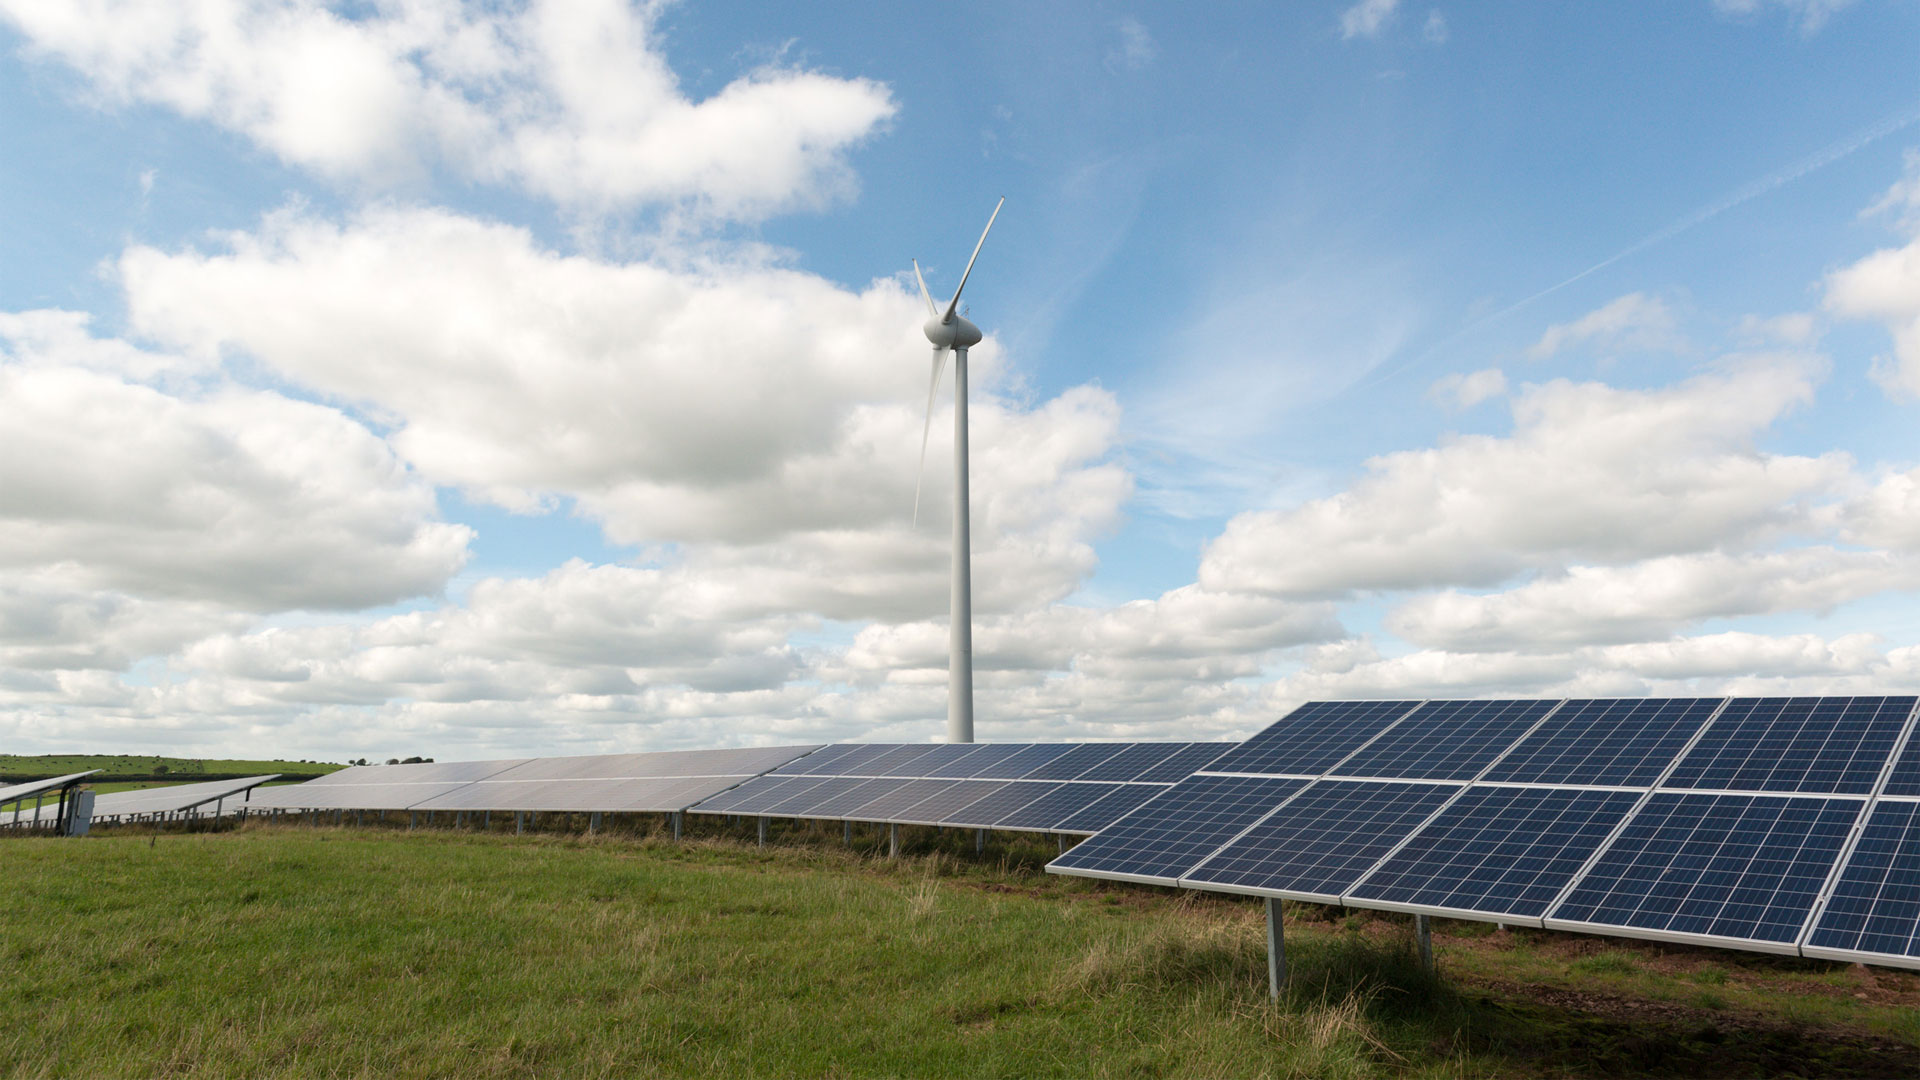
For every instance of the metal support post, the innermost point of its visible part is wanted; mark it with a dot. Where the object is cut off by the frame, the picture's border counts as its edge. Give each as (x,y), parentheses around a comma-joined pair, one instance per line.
(846,833)
(486,821)
(519,822)
(1423,939)
(358,818)
(1276,951)
(413,819)
(429,819)
(763,831)
(593,822)
(679,822)
(893,840)
(979,841)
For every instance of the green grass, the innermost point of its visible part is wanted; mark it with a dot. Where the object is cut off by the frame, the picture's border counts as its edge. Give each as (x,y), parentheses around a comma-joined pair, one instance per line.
(19,767)
(328,952)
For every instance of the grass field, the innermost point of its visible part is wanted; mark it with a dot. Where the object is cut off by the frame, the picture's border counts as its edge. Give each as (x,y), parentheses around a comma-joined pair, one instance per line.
(286,950)
(19,767)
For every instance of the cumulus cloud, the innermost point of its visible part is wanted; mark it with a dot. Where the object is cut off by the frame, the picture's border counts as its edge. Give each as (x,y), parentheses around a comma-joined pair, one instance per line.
(238,496)
(1367,18)
(1136,50)
(1464,390)
(1590,473)
(569,100)
(1885,286)
(1649,601)
(1634,321)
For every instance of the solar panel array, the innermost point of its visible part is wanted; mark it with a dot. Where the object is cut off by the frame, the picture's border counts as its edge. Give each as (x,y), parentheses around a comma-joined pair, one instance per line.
(1032,787)
(205,798)
(662,782)
(1787,825)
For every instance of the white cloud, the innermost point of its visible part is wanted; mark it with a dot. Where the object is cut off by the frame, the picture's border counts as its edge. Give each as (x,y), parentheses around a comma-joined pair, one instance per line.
(1634,321)
(1591,473)
(1901,201)
(1435,32)
(1648,601)
(242,497)
(1464,390)
(567,99)
(1367,18)
(1885,286)
(1136,49)
(1811,14)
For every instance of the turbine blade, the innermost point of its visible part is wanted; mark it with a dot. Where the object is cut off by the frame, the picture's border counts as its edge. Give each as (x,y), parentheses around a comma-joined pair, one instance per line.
(933,386)
(955,304)
(924,294)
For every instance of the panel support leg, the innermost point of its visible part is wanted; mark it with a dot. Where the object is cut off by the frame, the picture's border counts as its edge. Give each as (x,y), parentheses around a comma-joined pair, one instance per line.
(893,840)
(763,831)
(486,821)
(519,822)
(846,833)
(979,841)
(413,820)
(679,822)
(1276,951)
(1060,842)
(1423,939)
(593,822)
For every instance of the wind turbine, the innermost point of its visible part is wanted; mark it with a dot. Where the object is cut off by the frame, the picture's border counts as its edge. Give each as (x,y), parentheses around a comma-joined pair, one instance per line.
(950,332)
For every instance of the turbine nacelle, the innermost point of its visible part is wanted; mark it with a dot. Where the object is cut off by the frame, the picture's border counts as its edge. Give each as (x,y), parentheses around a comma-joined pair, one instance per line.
(953,332)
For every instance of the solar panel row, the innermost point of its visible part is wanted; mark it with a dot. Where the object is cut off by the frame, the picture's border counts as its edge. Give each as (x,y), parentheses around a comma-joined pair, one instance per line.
(1034,787)
(1762,823)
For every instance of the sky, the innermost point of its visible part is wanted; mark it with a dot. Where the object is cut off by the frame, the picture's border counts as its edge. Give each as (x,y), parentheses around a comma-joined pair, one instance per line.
(400,377)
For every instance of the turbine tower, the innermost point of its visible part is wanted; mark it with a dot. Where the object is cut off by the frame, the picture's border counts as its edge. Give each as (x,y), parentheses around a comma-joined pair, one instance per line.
(950,332)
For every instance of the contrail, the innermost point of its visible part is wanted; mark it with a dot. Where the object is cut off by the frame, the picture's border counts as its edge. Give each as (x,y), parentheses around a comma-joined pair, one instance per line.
(1817,160)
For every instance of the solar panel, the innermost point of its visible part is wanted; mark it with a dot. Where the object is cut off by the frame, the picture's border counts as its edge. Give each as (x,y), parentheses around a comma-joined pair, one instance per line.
(1074,762)
(1830,745)
(1184,762)
(177,798)
(851,763)
(1620,742)
(316,796)
(987,810)
(1874,911)
(1313,738)
(1323,840)
(981,761)
(1047,812)
(1167,836)
(895,762)
(31,788)
(1445,740)
(889,806)
(838,803)
(1033,756)
(756,795)
(1124,799)
(1726,867)
(1904,779)
(1498,851)
(1129,763)
(943,808)
(817,762)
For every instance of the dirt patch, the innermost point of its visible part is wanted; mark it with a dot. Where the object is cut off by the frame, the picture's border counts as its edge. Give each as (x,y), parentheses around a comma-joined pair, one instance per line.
(1561,1032)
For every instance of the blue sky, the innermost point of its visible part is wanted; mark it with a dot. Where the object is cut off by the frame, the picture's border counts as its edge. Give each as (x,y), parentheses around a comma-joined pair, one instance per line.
(416,377)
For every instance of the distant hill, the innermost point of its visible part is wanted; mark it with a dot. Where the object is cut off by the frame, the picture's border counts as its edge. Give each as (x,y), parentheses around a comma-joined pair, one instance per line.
(18,768)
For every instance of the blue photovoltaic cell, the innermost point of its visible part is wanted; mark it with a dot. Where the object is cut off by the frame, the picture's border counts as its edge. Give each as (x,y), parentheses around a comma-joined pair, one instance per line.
(989,809)
(1735,866)
(889,806)
(942,807)
(1185,762)
(1046,812)
(781,790)
(1620,742)
(752,791)
(983,763)
(1876,903)
(1032,757)
(1170,834)
(1077,761)
(1123,800)
(1505,851)
(1323,841)
(817,762)
(854,762)
(901,761)
(1828,745)
(936,758)
(1446,740)
(1312,738)
(840,803)
(1131,762)
(800,803)
(1905,777)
